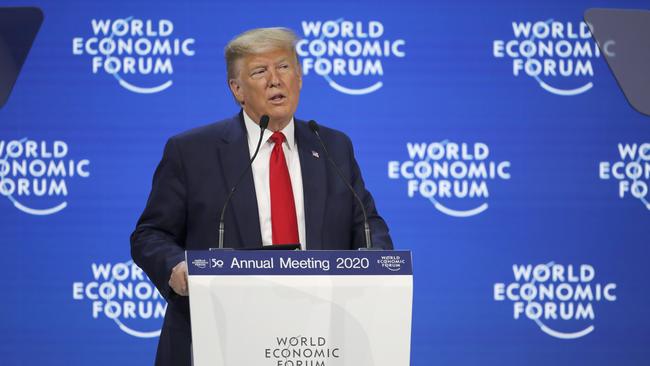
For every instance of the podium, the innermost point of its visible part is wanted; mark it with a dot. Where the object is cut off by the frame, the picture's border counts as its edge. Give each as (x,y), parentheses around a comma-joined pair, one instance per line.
(300,308)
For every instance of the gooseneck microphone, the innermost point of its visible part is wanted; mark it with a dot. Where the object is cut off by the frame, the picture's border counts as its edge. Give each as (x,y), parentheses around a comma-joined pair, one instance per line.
(264,123)
(314,127)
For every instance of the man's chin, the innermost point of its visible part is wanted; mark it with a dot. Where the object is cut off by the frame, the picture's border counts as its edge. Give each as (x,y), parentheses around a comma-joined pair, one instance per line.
(278,122)
(280,116)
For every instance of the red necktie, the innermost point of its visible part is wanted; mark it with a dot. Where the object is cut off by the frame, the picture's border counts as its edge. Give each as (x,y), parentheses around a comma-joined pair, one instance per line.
(284,224)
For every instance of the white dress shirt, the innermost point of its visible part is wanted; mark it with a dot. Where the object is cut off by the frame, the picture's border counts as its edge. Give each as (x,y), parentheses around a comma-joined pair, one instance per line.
(261,176)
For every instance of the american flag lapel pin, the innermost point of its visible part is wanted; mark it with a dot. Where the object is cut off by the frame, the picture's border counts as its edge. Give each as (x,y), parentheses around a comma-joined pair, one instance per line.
(315,154)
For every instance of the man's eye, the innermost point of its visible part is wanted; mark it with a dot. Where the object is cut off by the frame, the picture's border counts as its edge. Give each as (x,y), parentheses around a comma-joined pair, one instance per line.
(284,66)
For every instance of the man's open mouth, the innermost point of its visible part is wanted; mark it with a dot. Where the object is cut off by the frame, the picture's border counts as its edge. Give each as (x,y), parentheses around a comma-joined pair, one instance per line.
(278,97)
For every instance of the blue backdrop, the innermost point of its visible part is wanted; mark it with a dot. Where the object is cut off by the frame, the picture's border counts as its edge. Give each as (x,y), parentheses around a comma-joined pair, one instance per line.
(493,137)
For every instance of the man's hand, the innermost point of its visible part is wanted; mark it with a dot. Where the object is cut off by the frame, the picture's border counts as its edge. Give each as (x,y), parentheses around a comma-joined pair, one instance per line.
(178,279)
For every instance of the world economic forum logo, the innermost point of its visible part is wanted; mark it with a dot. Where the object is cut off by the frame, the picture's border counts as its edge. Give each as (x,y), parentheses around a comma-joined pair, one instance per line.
(122,293)
(138,53)
(200,263)
(631,170)
(349,55)
(560,299)
(35,175)
(453,176)
(392,263)
(557,55)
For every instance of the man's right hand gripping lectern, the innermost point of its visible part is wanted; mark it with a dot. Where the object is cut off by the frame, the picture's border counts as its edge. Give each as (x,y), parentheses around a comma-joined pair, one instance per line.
(300,308)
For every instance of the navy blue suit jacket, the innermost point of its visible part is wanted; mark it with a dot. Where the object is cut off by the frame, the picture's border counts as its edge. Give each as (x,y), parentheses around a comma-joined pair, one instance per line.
(190,185)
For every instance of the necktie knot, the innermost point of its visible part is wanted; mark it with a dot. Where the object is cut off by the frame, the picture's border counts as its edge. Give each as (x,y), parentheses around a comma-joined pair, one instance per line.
(277,138)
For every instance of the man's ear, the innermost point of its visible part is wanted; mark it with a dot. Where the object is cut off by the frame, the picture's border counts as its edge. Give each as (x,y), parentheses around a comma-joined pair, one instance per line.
(236,90)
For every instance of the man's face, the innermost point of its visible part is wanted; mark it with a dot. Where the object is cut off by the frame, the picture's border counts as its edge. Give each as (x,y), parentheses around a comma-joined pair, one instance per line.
(268,83)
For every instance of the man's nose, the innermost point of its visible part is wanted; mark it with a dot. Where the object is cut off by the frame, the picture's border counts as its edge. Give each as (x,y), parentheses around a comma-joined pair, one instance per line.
(274,78)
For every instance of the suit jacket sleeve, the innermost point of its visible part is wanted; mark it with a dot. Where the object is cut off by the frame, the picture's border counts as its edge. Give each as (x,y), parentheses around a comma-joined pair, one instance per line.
(157,244)
(378,228)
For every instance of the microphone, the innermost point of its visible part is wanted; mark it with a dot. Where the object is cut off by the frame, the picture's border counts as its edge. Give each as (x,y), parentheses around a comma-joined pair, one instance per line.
(314,127)
(264,123)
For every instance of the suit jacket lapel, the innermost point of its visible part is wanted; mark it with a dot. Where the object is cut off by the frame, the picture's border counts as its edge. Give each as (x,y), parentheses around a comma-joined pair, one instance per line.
(235,157)
(314,183)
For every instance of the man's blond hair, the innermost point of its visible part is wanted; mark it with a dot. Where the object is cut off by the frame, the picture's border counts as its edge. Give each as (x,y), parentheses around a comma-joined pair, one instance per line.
(256,41)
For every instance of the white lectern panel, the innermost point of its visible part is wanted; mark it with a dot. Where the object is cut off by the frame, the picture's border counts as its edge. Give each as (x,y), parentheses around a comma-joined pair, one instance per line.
(300,308)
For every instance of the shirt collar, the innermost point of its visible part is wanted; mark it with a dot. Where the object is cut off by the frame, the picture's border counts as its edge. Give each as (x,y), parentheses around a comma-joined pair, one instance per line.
(253,131)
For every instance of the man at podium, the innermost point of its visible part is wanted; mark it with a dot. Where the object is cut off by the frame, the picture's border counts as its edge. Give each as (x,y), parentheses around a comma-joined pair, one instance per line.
(291,194)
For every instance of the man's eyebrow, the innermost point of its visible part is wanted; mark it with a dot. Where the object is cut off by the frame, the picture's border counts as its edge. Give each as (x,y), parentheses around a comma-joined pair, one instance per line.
(261,64)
